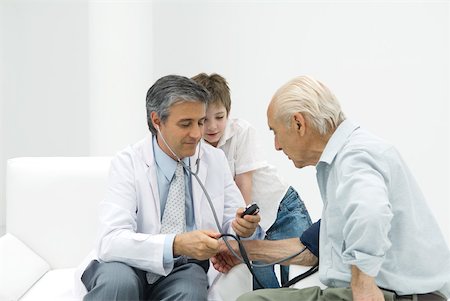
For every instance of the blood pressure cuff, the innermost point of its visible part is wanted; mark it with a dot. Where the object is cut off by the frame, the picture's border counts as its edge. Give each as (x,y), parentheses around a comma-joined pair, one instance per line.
(310,238)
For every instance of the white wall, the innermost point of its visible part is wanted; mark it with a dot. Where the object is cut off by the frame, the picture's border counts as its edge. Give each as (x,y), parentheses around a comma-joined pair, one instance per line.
(120,49)
(2,176)
(45,85)
(44,95)
(388,63)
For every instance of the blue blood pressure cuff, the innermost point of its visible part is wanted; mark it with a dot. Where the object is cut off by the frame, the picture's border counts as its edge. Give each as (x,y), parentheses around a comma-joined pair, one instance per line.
(310,238)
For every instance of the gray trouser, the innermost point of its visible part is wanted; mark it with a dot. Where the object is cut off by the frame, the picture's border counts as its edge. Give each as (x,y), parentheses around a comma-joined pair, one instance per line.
(118,281)
(328,294)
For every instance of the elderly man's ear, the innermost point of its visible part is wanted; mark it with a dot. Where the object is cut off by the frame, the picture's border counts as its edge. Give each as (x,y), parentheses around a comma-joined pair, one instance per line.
(299,123)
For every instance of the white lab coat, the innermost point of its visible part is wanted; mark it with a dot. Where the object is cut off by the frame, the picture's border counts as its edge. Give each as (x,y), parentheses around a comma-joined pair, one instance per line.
(130,215)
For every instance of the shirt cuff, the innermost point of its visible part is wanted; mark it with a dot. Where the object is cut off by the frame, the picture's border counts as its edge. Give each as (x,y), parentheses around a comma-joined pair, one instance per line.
(368,264)
(168,252)
(250,167)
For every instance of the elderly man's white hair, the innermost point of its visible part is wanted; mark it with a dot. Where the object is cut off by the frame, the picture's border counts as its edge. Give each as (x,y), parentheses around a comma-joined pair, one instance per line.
(306,95)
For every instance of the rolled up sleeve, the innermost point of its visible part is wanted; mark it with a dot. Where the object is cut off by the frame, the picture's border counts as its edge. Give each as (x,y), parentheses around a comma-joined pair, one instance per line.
(362,196)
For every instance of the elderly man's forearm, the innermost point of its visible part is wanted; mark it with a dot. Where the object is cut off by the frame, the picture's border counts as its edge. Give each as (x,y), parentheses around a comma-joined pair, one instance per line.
(274,250)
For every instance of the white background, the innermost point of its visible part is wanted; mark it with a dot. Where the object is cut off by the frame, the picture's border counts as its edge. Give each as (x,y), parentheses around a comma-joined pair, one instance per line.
(74,74)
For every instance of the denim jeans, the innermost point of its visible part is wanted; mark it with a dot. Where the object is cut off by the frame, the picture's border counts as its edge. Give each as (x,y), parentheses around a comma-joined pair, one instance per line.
(292,219)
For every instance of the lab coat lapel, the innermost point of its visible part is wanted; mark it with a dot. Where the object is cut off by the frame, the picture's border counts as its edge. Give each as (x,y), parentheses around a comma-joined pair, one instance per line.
(151,173)
(197,193)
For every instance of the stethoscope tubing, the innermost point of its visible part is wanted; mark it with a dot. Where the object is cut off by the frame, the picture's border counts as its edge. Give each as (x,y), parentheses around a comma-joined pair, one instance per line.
(219,227)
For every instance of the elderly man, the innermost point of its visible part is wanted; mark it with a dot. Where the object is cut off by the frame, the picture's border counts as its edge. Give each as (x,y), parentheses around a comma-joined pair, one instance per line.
(157,228)
(378,238)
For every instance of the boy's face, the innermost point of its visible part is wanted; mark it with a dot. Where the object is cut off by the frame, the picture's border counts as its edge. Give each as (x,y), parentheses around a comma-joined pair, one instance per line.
(215,123)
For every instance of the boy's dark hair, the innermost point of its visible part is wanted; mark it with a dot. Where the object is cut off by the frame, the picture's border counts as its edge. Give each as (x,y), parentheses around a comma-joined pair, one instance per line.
(217,87)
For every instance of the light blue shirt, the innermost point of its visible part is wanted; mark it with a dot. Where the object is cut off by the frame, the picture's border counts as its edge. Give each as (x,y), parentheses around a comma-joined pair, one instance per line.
(165,171)
(376,218)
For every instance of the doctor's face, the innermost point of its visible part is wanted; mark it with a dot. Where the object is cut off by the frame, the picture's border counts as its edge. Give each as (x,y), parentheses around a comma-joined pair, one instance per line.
(183,128)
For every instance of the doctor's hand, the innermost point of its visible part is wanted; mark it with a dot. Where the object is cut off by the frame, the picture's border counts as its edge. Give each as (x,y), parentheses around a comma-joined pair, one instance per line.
(245,226)
(199,244)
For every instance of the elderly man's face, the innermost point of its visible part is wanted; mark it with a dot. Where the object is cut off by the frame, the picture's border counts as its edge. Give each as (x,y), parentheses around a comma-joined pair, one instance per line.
(292,141)
(183,128)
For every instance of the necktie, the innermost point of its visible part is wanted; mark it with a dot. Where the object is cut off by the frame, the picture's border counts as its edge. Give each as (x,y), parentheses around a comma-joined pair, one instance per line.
(174,219)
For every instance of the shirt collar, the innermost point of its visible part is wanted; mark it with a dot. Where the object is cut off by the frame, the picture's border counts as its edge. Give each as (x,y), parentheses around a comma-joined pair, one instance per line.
(166,164)
(337,140)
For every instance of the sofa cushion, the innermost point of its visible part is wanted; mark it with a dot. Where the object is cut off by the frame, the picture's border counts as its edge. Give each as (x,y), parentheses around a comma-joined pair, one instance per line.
(55,285)
(231,285)
(20,267)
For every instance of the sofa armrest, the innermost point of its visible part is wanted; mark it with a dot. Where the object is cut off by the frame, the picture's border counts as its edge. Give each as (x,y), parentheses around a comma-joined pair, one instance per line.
(20,268)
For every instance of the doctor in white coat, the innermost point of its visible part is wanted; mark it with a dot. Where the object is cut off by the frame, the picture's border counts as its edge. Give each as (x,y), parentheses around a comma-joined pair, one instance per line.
(137,259)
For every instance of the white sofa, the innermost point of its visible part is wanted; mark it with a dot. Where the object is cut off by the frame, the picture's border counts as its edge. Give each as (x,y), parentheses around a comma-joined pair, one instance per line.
(51,223)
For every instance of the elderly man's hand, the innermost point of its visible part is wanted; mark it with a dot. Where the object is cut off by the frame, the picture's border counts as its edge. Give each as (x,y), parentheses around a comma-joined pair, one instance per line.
(245,226)
(364,287)
(224,260)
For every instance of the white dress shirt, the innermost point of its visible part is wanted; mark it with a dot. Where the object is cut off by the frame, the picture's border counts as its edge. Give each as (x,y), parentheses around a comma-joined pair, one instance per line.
(244,153)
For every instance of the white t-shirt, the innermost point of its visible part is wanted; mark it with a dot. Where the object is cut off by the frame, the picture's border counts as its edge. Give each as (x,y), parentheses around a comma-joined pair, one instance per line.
(245,154)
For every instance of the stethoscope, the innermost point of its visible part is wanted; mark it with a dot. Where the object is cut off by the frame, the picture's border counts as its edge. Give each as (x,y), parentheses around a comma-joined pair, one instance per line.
(244,258)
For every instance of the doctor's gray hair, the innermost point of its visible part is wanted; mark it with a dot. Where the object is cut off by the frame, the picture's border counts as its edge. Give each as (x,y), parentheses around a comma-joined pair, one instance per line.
(169,90)
(311,98)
